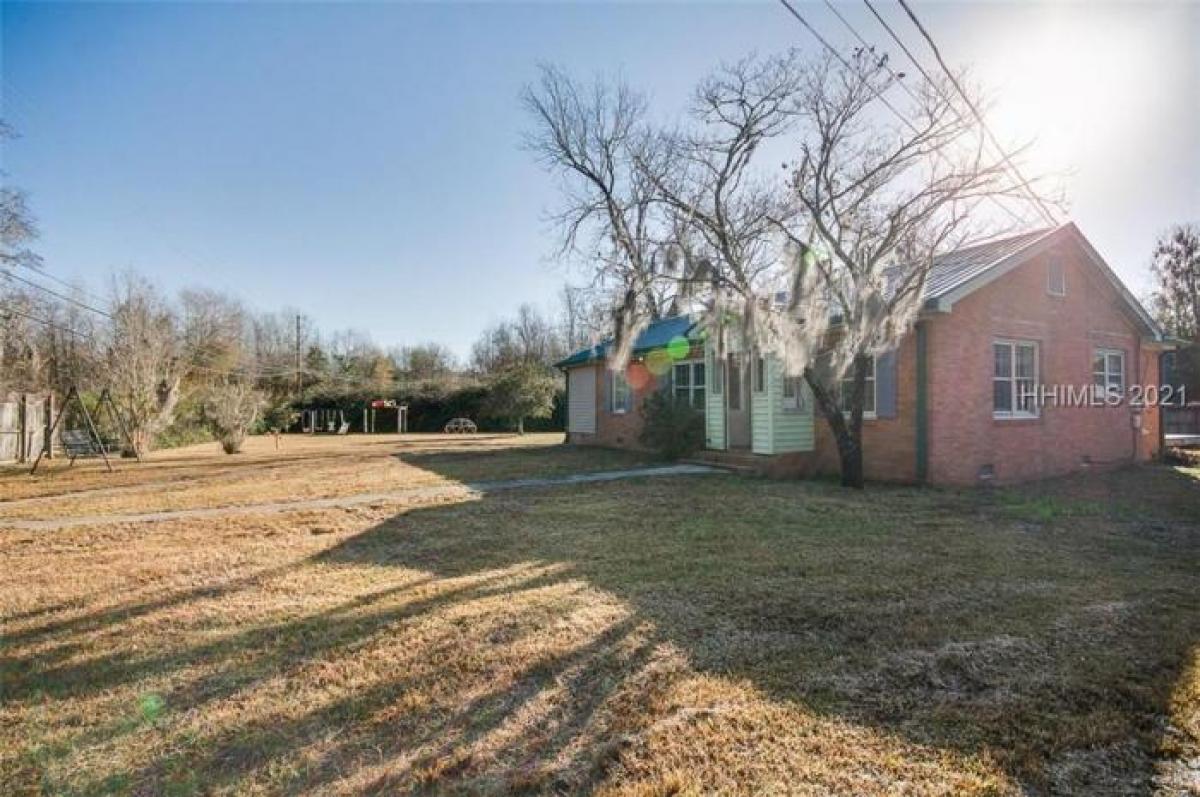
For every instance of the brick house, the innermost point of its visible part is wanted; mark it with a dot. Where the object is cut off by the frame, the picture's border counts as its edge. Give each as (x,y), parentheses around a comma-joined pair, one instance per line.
(1003,322)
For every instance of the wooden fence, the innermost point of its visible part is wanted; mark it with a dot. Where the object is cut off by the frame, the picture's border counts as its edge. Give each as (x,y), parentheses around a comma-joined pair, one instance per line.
(24,418)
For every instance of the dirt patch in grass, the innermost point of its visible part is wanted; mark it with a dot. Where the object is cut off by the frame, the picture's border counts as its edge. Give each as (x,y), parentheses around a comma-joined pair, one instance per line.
(672,636)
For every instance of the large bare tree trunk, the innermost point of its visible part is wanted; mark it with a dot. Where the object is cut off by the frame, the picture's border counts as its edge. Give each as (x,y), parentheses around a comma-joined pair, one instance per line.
(847,431)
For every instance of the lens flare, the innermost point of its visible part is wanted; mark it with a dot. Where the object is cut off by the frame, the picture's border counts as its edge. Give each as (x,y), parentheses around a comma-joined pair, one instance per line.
(638,376)
(679,348)
(659,362)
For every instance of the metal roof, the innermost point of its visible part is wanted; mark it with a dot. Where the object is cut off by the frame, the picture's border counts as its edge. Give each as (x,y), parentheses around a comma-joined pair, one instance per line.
(655,336)
(952,275)
(954,269)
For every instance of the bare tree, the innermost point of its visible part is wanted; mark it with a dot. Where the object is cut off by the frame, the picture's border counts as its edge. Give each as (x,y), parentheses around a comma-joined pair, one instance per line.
(1176,269)
(142,359)
(724,206)
(527,338)
(593,138)
(584,318)
(17,226)
(873,204)
(215,330)
(232,405)
(425,361)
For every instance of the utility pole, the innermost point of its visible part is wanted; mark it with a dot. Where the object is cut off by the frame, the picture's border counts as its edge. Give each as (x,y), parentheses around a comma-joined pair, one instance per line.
(297,356)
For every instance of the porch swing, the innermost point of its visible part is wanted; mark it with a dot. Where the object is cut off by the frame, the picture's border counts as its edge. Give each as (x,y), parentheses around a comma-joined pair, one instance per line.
(86,441)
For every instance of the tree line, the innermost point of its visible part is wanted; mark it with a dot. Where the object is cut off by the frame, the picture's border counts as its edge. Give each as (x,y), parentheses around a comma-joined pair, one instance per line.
(202,365)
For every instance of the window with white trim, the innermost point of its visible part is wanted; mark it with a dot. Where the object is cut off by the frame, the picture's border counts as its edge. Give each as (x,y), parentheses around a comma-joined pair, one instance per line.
(1056,280)
(760,374)
(689,382)
(846,387)
(793,394)
(620,396)
(1014,379)
(1108,373)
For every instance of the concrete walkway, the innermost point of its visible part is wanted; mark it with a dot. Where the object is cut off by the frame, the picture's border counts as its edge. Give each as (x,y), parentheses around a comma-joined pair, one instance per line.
(417,494)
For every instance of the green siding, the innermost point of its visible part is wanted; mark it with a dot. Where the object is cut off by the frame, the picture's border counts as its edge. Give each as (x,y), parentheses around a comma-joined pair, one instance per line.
(762,409)
(779,431)
(793,429)
(773,430)
(714,402)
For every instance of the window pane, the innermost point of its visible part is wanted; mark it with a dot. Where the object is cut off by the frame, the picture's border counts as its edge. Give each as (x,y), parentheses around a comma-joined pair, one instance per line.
(1002,395)
(682,394)
(1116,369)
(698,374)
(718,376)
(682,372)
(1025,396)
(698,398)
(1098,365)
(1025,361)
(760,374)
(1002,354)
(789,386)
(869,396)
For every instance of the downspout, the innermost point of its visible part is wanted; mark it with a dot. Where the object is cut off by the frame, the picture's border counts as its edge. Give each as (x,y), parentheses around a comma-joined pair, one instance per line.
(922,409)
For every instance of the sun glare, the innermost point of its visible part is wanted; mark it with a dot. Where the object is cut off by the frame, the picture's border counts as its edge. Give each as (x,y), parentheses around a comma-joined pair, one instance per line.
(1066,83)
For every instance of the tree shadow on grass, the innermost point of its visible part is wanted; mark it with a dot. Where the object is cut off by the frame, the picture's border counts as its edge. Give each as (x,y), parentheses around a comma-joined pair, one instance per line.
(1052,646)
(520,642)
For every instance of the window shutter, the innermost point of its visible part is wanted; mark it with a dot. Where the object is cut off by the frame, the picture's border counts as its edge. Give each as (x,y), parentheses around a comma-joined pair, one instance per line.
(885,385)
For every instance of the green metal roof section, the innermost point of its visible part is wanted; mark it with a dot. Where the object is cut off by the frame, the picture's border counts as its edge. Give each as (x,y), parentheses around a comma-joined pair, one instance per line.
(655,336)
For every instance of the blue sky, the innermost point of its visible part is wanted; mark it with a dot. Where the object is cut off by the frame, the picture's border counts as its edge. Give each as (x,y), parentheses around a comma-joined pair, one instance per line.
(361,162)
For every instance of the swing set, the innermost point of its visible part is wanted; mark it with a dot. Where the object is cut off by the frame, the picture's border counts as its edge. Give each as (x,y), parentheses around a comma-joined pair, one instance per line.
(86,442)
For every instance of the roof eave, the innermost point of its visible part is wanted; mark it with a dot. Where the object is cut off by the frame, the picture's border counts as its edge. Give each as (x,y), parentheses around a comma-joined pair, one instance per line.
(944,302)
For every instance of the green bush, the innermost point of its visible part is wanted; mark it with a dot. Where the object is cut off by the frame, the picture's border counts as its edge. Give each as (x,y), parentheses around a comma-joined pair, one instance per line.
(672,426)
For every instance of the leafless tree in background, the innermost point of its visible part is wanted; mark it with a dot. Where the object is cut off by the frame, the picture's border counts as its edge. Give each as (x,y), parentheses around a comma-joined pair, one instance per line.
(232,405)
(143,366)
(17,226)
(529,338)
(595,139)
(724,204)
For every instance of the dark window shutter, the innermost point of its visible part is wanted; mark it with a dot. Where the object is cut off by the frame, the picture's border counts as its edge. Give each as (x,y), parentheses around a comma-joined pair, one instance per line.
(885,385)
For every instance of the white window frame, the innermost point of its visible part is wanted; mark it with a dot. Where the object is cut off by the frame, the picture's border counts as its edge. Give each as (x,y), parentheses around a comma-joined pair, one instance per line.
(692,388)
(797,401)
(1056,265)
(1104,387)
(1013,345)
(758,374)
(615,380)
(870,388)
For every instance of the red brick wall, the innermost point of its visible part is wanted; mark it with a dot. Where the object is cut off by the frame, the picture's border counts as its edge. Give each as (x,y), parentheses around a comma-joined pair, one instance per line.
(613,429)
(889,444)
(964,436)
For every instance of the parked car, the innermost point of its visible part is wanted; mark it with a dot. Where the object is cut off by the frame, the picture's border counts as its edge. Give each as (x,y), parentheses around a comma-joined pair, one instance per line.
(460,426)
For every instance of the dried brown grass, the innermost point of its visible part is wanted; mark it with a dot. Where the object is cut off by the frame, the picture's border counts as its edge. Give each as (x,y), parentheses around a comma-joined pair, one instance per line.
(679,636)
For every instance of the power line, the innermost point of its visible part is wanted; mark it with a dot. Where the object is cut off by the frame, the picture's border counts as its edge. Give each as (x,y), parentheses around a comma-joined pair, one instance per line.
(68,285)
(1049,216)
(53,325)
(929,78)
(878,95)
(54,293)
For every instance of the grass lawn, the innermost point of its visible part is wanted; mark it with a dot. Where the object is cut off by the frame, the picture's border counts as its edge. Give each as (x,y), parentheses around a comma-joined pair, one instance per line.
(663,636)
(305,467)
